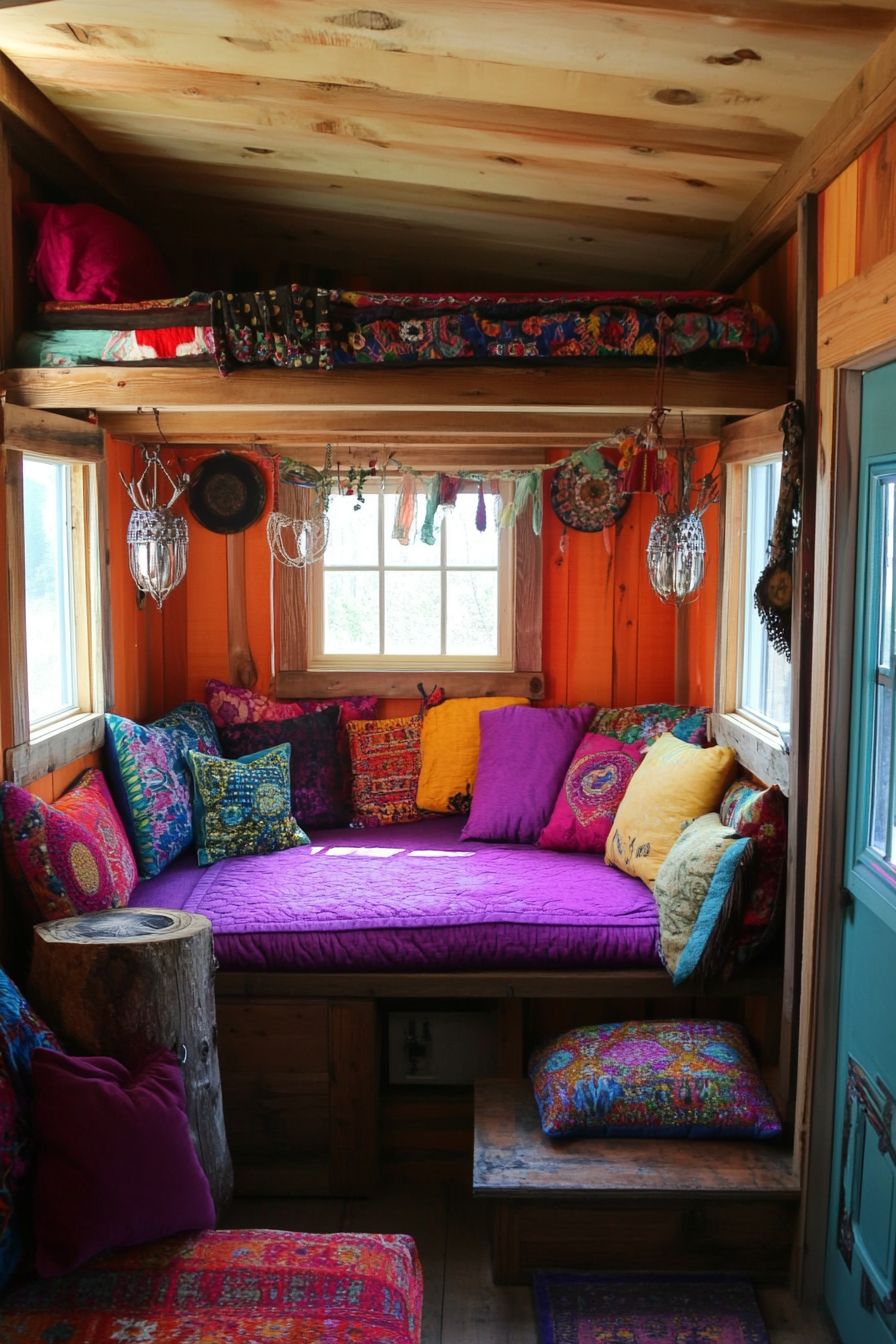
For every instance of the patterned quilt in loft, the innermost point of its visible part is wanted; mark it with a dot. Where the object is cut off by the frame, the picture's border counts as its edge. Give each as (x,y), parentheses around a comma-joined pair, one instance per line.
(298,327)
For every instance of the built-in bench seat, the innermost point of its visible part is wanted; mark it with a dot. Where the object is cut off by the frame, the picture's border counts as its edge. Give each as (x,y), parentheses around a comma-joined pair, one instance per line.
(625,1204)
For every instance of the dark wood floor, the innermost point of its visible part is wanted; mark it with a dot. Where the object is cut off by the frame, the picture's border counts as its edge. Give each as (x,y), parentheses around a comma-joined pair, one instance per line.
(451,1229)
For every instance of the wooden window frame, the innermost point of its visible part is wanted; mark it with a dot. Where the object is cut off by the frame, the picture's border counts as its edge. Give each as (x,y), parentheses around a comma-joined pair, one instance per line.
(294,679)
(35,753)
(759,748)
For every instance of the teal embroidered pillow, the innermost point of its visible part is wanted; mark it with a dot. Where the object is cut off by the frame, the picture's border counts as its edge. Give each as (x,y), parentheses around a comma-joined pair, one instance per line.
(700,893)
(242,807)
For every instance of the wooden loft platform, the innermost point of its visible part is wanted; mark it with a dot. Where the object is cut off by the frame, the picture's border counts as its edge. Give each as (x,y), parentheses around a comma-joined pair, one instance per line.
(495,411)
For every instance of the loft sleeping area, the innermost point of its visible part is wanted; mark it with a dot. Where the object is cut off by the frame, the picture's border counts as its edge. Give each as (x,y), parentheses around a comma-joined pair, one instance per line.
(447,819)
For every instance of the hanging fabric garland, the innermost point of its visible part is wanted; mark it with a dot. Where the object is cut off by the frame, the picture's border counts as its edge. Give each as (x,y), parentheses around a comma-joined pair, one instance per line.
(405,511)
(481,520)
(774,591)
(427,531)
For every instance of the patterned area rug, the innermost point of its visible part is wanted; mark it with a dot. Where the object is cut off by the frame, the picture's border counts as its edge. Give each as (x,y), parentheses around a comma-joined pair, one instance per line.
(647,1309)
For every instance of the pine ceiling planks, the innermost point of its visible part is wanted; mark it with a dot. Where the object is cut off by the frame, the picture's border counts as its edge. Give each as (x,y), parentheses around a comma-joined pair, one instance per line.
(563,142)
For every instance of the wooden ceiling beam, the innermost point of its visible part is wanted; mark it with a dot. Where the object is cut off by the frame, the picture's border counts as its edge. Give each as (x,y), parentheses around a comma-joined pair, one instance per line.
(864,109)
(552,388)
(49,141)
(203,96)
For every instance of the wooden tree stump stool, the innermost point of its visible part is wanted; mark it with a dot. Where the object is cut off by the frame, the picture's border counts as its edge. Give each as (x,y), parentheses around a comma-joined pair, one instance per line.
(125,982)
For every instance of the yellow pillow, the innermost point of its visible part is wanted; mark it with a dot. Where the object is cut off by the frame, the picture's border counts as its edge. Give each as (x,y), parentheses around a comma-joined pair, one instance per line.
(674,784)
(450,750)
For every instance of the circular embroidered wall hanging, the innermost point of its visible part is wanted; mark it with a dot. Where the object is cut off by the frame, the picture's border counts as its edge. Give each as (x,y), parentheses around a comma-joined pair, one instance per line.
(227,493)
(595,785)
(587,501)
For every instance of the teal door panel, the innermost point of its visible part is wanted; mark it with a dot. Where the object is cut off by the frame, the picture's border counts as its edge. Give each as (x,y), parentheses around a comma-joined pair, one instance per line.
(860,1281)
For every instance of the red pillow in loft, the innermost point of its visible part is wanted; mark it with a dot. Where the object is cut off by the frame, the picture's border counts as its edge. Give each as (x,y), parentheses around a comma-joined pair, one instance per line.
(90,255)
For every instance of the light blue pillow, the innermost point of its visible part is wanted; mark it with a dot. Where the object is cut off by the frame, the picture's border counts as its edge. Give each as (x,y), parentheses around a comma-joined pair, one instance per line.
(243,806)
(151,783)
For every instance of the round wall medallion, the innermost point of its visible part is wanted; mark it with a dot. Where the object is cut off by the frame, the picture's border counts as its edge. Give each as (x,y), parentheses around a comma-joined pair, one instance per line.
(587,501)
(227,493)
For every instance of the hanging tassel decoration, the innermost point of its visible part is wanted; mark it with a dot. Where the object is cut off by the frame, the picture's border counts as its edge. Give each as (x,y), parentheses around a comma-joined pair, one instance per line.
(564,542)
(448,488)
(537,502)
(481,521)
(433,492)
(405,511)
(497,503)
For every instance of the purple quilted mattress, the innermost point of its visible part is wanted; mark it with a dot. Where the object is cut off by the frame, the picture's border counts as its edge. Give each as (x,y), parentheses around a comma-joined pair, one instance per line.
(414,898)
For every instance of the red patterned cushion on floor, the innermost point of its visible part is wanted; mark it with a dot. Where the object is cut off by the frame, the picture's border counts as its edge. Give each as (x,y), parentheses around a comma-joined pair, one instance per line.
(230,1288)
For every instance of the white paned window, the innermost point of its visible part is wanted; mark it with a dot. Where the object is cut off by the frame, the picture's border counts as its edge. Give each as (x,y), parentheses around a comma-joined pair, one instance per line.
(376,603)
(49,590)
(764,680)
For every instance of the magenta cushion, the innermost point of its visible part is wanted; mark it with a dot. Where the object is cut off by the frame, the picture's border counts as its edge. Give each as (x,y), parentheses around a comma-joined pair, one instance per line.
(70,859)
(594,786)
(524,755)
(90,255)
(115,1162)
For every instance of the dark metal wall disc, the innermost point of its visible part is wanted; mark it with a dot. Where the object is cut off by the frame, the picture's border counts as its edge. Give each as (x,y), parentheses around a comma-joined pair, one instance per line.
(588,501)
(227,493)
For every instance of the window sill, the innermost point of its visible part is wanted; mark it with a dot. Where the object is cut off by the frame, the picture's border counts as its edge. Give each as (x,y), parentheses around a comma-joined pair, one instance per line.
(78,736)
(402,685)
(760,751)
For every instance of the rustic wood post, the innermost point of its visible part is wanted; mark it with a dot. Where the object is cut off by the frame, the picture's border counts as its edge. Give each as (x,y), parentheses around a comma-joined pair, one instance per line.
(125,982)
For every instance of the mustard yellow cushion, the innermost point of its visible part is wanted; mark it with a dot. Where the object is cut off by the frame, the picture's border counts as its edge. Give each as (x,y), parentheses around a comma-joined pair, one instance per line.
(450,751)
(674,784)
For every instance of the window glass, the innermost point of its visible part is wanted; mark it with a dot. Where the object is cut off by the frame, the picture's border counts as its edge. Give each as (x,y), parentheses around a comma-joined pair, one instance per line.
(49,591)
(881,833)
(765,673)
(384,600)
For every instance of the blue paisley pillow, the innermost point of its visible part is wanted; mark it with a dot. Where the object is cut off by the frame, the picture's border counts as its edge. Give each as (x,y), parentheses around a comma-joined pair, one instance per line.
(243,807)
(21,1031)
(151,782)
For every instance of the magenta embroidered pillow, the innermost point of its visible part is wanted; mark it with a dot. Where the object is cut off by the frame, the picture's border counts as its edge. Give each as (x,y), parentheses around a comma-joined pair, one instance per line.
(70,859)
(590,794)
(762,814)
(231,705)
(315,771)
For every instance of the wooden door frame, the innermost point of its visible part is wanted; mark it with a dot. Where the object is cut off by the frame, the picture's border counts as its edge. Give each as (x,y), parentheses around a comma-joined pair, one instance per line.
(856,333)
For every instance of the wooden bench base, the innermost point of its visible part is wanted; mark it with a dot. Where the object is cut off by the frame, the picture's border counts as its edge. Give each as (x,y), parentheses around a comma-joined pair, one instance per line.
(628,1204)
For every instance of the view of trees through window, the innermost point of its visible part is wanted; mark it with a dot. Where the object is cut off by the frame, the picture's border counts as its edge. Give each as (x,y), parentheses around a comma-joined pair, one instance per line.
(382,598)
(49,598)
(765,674)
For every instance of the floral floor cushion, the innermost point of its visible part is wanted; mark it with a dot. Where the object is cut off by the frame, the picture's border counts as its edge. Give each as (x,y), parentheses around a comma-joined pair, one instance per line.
(229,1288)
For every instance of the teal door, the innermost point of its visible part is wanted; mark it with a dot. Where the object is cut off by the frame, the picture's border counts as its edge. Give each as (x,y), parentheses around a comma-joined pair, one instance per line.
(861,1252)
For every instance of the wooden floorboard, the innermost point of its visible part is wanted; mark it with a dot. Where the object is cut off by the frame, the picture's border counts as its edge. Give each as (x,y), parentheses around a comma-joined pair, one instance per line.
(452,1231)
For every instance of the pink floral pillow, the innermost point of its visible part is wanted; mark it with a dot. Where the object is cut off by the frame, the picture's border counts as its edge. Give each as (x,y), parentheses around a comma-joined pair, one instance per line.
(70,859)
(594,786)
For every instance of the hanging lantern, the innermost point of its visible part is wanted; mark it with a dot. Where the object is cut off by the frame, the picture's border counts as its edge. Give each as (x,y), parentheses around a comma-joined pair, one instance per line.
(157,538)
(676,556)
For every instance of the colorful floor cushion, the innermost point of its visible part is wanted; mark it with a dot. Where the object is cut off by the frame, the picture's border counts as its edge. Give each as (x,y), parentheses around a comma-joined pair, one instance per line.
(523,759)
(450,752)
(69,859)
(673,1079)
(242,807)
(645,723)
(675,783)
(762,814)
(595,785)
(115,1162)
(700,892)
(385,770)
(21,1033)
(230,1287)
(315,769)
(151,783)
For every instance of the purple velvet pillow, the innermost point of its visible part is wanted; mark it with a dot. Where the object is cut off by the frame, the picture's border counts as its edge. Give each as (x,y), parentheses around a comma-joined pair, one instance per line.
(315,770)
(115,1164)
(524,755)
